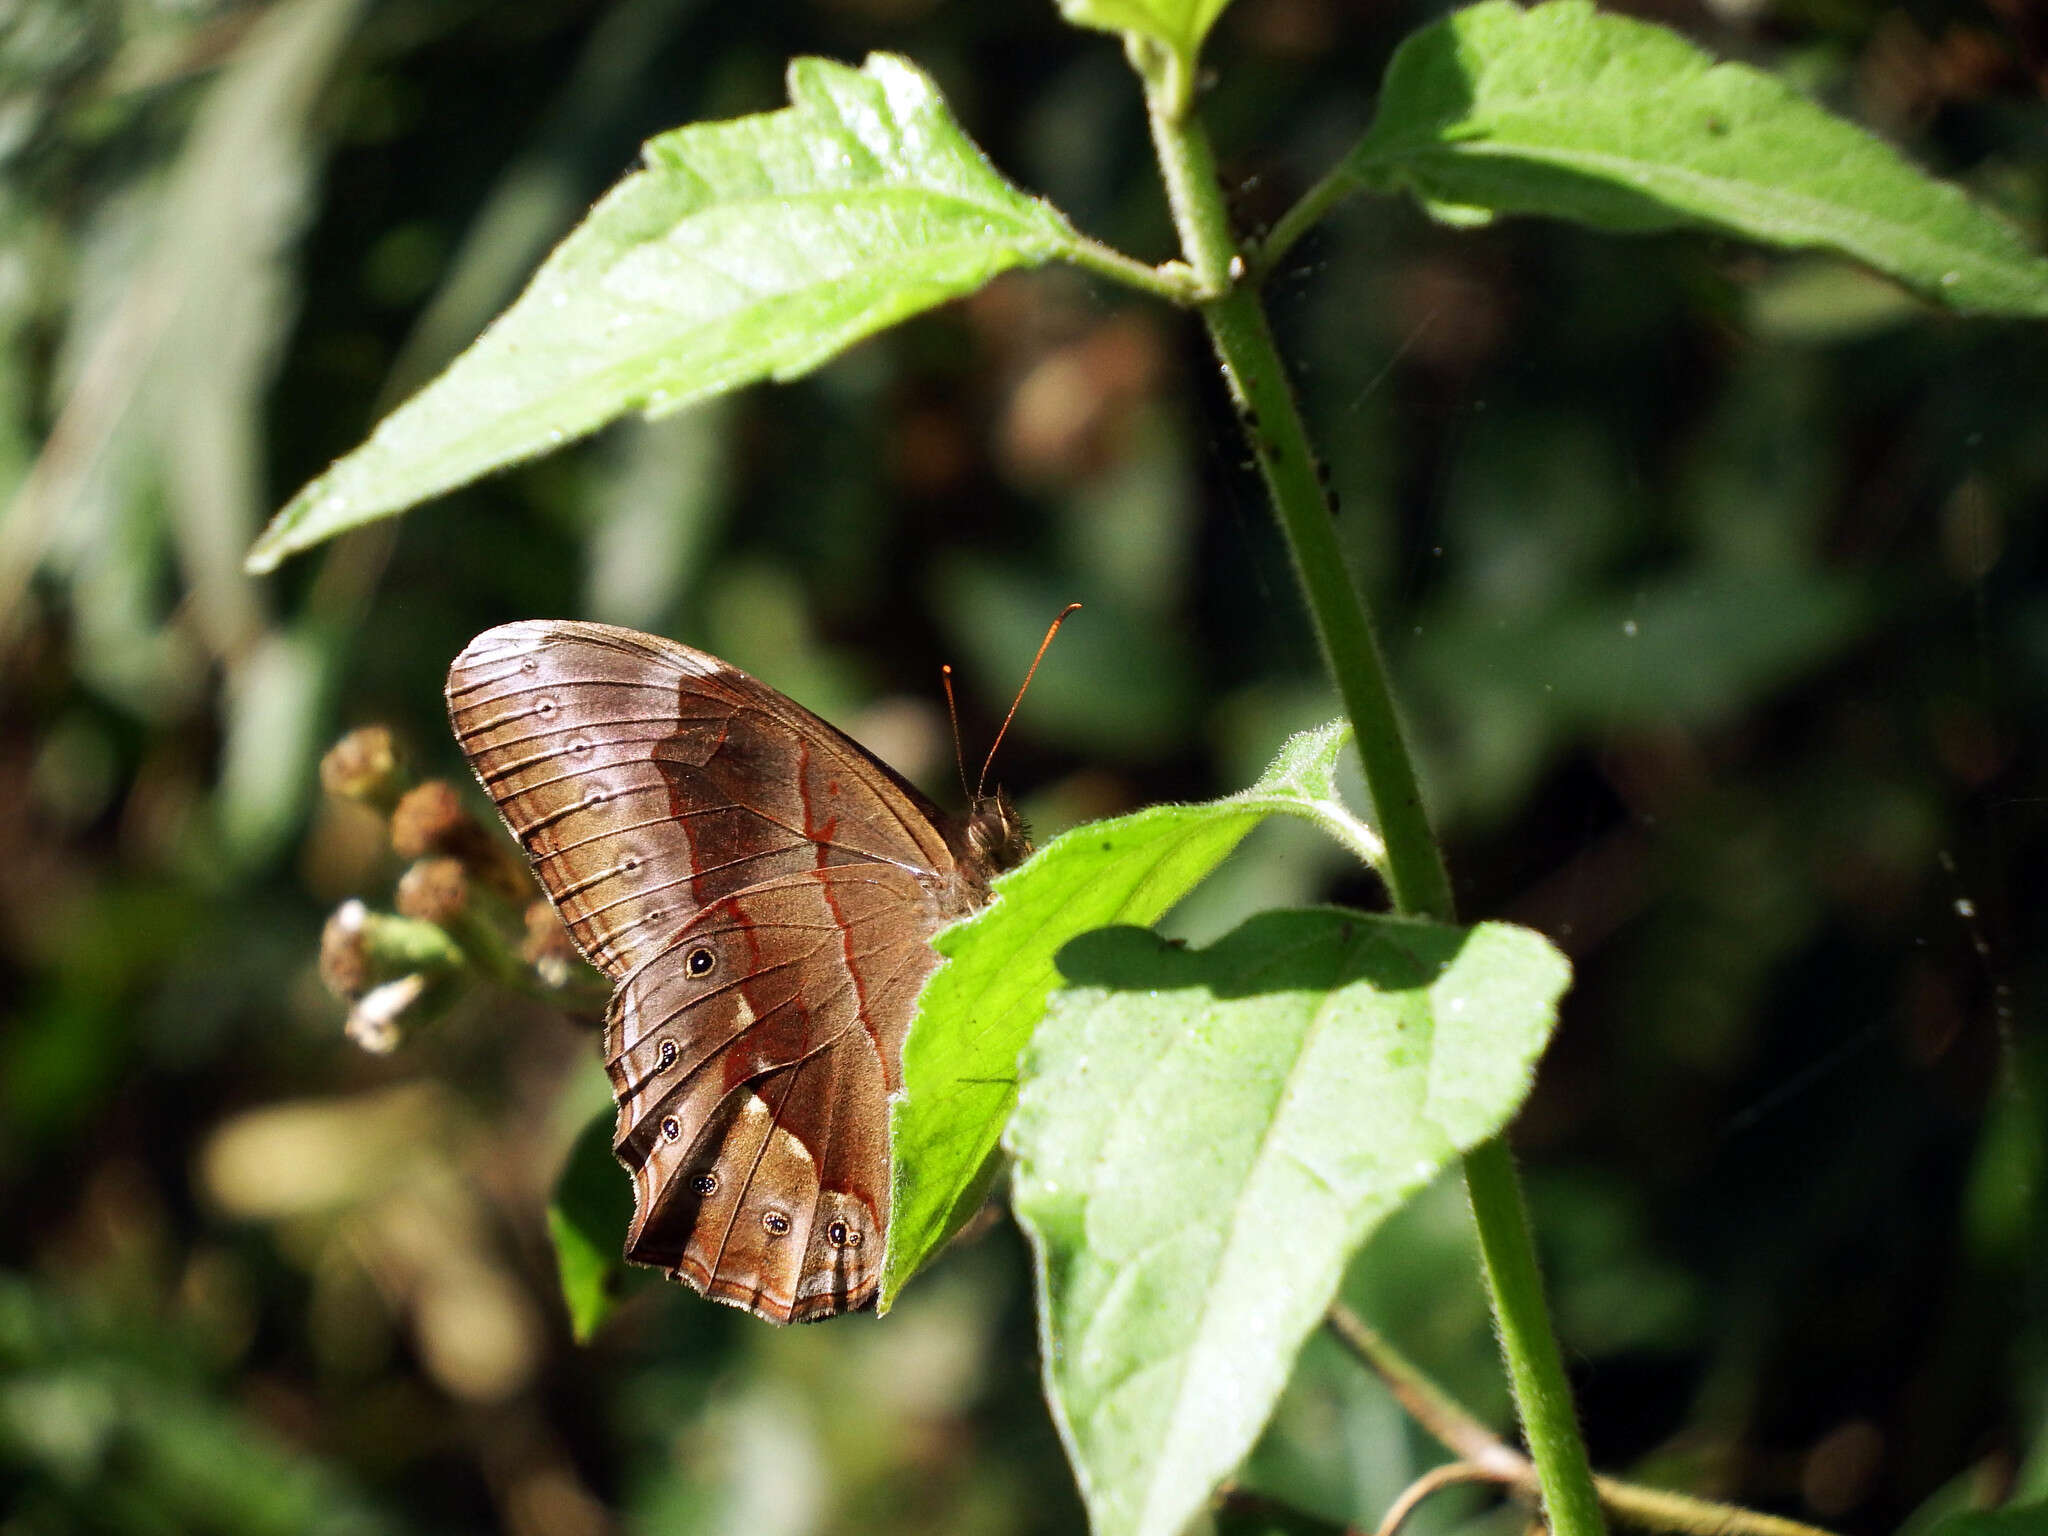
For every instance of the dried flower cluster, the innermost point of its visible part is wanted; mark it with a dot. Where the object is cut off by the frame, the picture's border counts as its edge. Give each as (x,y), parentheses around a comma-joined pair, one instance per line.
(466,910)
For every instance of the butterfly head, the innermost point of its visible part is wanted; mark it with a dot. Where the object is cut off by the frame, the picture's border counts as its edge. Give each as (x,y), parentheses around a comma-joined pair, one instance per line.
(997,838)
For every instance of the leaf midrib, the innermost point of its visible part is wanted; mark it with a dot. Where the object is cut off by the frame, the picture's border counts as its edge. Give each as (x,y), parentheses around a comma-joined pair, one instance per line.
(1320,1014)
(737,314)
(1027,212)
(1804,210)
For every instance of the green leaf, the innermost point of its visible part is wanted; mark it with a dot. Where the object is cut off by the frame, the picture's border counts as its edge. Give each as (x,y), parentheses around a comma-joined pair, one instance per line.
(1206,1136)
(1624,126)
(745,250)
(588,1218)
(1178,27)
(977,1013)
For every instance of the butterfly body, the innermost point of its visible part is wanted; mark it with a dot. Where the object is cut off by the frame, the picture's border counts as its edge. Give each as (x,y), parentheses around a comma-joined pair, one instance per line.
(762,891)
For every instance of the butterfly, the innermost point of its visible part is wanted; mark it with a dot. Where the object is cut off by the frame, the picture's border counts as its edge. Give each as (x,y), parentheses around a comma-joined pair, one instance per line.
(762,891)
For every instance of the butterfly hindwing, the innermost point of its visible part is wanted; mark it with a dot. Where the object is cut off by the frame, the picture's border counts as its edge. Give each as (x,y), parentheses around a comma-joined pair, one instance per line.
(752,1060)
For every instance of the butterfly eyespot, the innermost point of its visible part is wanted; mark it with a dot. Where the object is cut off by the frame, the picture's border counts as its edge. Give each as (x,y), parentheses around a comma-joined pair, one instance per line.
(579,746)
(705,1184)
(668,1053)
(776,1223)
(671,1127)
(529,666)
(701,961)
(842,1235)
(630,863)
(596,797)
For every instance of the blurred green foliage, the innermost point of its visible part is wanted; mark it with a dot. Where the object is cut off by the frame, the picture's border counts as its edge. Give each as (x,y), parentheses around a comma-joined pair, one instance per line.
(1713,583)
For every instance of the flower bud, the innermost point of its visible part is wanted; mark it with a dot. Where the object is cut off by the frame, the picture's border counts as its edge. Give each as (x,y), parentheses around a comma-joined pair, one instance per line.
(364,766)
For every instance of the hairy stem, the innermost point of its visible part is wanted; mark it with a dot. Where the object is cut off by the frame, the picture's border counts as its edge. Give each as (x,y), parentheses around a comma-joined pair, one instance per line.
(1414,865)
(1297,221)
(1187,164)
(1414,869)
(1266,409)
(1654,1509)
(1543,1396)
(1171,281)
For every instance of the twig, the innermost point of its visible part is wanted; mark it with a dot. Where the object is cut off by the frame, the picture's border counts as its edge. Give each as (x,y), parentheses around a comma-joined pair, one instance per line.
(1454,1425)
(1482,1454)
(1448,1475)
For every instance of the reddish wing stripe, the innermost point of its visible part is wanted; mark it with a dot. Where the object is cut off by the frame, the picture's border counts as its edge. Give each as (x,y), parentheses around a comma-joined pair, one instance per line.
(860,992)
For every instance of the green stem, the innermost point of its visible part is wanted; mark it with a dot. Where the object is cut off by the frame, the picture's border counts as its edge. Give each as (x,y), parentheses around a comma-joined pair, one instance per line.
(1337,823)
(1543,1396)
(1187,164)
(1415,872)
(1265,402)
(1306,213)
(1272,422)
(1171,281)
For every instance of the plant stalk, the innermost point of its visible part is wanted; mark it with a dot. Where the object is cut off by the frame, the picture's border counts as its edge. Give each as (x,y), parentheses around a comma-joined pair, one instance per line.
(1187,164)
(1415,872)
(1171,281)
(1416,877)
(1543,1395)
(1478,1449)
(1272,422)
(1307,212)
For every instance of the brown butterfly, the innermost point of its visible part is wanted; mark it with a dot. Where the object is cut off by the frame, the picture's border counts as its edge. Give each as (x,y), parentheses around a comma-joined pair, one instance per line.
(762,891)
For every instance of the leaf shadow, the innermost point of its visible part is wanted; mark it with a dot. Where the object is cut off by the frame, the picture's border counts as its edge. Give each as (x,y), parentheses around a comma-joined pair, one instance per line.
(1311,949)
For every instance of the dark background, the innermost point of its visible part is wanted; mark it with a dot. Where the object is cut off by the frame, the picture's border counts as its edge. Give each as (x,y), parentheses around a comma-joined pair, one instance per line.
(1711,580)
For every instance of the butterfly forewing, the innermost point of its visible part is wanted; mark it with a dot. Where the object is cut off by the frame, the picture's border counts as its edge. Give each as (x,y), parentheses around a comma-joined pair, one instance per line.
(646,780)
(763,890)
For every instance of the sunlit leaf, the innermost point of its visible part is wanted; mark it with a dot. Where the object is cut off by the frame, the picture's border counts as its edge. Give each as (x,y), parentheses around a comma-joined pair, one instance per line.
(1205,1137)
(745,250)
(1624,126)
(960,1060)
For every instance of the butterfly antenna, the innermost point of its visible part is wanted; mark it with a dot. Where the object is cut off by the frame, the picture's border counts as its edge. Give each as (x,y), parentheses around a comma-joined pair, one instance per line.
(953,714)
(1051,630)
